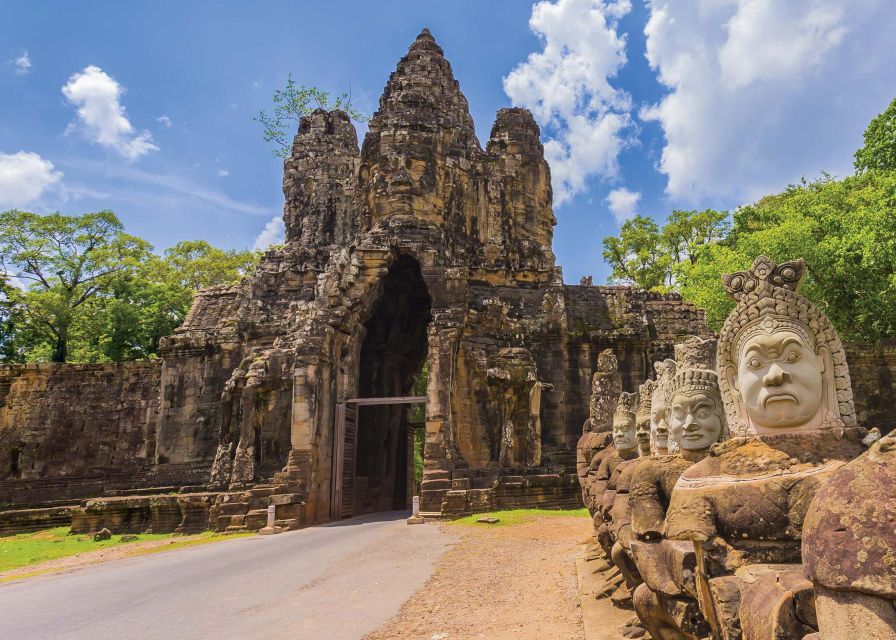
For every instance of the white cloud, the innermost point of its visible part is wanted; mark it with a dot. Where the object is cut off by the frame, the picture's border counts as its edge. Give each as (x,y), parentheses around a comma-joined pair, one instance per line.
(273,233)
(763,93)
(24,177)
(566,86)
(164,121)
(623,203)
(22,64)
(223,173)
(102,117)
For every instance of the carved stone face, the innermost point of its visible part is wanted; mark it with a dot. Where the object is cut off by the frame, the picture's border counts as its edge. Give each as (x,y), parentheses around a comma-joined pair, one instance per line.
(780,380)
(624,433)
(695,420)
(642,431)
(658,426)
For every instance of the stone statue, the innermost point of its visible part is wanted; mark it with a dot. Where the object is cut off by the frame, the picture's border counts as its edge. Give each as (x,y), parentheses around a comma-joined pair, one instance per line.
(849,548)
(666,602)
(786,389)
(659,430)
(643,416)
(625,447)
(597,436)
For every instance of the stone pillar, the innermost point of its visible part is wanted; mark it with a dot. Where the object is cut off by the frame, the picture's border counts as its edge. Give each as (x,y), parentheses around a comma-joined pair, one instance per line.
(438,449)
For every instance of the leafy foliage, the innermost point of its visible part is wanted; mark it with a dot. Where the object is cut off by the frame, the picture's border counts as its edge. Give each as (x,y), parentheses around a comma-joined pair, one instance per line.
(879,151)
(637,255)
(845,230)
(93,293)
(293,103)
(646,256)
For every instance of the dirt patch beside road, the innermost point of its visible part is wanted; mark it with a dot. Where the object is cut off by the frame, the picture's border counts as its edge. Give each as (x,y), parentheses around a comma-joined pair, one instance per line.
(501,583)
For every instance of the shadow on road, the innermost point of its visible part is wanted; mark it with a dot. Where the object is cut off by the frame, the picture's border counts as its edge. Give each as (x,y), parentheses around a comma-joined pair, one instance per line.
(383,516)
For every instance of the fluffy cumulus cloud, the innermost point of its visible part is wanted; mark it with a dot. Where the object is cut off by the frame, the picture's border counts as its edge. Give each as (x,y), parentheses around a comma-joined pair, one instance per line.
(101,116)
(273,233)
(165,121)
(763,92)
(623,204)
(24,178)
(567,87)
(21,64)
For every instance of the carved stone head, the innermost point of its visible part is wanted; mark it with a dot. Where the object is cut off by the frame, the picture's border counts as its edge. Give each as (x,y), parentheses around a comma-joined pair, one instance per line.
(642,417)
(659,428)
(624,436)
(695,412)
(781,364)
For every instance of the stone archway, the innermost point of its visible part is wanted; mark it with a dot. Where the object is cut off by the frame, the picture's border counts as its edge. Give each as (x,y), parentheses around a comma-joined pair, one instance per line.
(393,351)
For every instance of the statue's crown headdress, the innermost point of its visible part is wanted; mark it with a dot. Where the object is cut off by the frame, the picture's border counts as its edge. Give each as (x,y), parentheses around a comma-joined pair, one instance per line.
(768,300)
(645,394)
(626,407)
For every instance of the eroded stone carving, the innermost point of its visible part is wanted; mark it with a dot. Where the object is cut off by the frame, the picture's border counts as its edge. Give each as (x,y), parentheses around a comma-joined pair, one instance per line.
(849,547)
(659,428)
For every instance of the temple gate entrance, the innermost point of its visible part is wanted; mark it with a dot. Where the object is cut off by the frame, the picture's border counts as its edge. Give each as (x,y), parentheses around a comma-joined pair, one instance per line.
(374,443)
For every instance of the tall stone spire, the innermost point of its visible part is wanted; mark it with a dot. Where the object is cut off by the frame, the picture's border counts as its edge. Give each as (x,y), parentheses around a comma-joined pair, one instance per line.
(319,179)
(418,154)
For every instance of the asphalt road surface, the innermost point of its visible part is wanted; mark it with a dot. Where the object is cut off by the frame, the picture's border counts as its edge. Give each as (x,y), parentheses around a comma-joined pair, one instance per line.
(334,582)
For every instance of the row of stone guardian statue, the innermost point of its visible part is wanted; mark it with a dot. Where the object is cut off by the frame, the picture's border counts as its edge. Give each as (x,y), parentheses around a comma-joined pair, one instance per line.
(734,495)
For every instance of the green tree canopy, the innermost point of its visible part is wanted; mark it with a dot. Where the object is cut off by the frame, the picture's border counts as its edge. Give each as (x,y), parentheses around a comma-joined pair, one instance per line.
(879,150)
(104,292)
(645,255)
(846,232)
(65,262)
(637,255)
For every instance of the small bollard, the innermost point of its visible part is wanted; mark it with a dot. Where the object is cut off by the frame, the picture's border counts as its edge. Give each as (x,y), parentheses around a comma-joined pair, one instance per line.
(416,518)
(270,528)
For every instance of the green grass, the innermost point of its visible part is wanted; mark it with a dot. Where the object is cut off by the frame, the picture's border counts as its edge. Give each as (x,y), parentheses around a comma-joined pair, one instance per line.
(31,548)
(511,517)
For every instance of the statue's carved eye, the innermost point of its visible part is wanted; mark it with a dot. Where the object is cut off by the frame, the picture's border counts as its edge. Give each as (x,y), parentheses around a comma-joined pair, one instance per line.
(703,414)
(754,363)
(793,356)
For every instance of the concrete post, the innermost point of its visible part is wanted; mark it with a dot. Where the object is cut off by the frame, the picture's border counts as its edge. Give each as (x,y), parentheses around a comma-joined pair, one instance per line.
(270,528)
(416,518)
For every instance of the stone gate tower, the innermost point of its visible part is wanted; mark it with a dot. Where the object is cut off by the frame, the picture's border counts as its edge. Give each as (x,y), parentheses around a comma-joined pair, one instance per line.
(420,251)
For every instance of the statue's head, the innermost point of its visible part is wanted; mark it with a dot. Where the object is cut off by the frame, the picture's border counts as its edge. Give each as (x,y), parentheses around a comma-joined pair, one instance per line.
(624,436)
(695,413)
(781,364)
(694,409)
(642,417)
(659,428)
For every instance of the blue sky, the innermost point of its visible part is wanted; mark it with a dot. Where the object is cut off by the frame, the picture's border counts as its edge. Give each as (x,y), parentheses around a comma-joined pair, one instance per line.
(644,106)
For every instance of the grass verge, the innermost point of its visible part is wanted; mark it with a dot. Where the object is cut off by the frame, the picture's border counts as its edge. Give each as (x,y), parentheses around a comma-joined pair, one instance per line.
(33,548)
(511,517)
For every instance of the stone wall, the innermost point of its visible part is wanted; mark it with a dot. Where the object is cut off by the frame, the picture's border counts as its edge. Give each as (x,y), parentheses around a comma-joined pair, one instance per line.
(872,369)
(77,420)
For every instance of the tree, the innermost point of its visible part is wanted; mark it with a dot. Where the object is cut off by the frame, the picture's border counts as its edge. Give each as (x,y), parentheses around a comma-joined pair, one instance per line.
(637,255)
(687,233)
(65,262)
(845,230)
(879,151)
(294,103)
(117,313)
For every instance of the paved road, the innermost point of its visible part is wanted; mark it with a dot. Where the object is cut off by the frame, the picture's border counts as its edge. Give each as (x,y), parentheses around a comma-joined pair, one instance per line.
(333,582)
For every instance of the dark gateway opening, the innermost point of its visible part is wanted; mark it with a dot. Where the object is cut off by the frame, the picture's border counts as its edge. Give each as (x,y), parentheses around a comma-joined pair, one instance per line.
(394,350)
